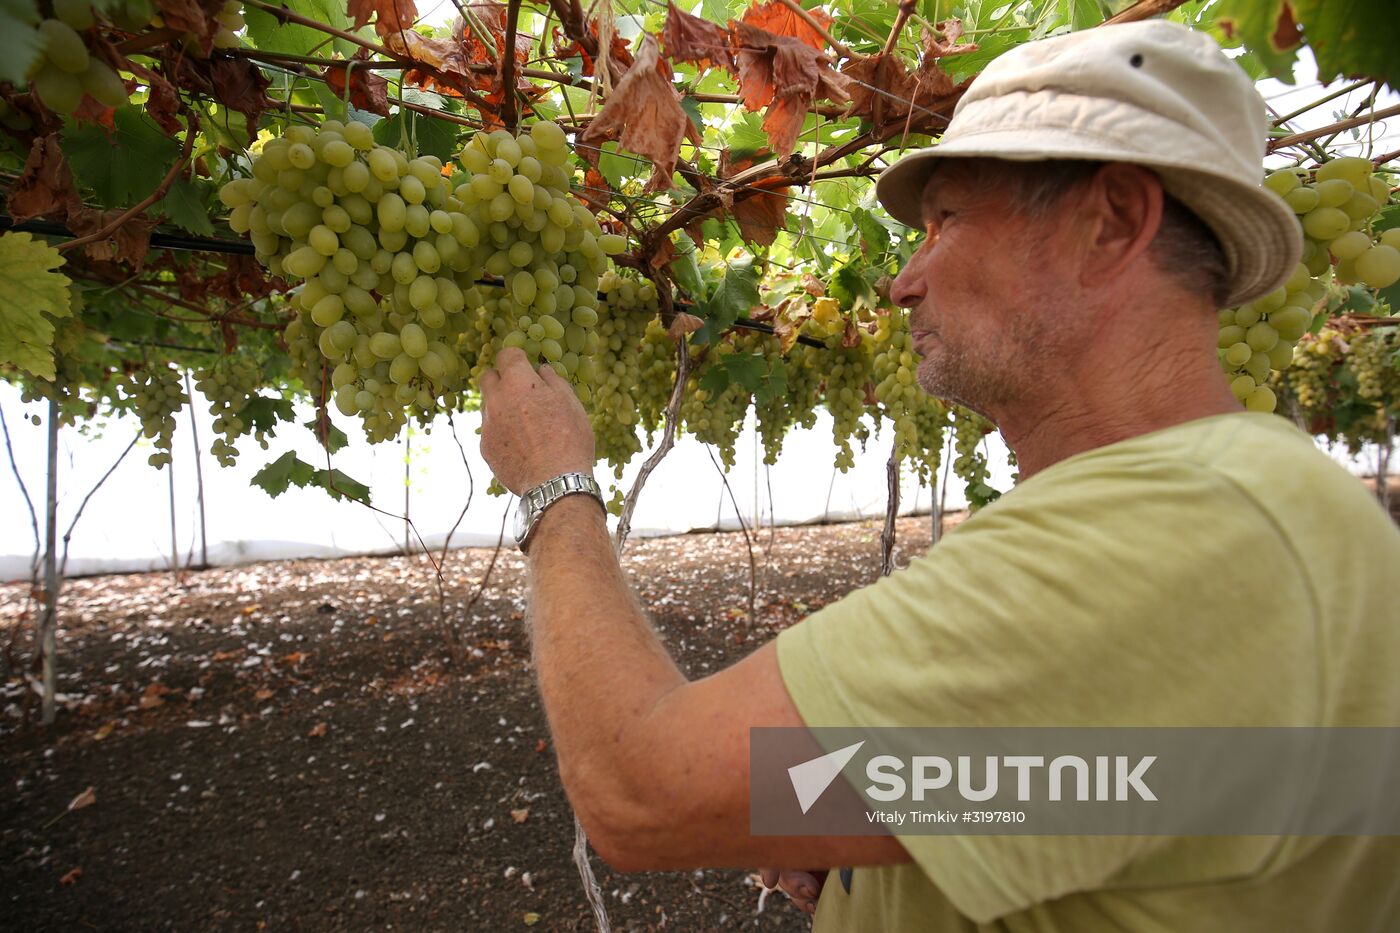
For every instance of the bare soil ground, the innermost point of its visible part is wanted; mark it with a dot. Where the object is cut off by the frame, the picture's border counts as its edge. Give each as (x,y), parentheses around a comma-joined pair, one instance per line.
(287,746)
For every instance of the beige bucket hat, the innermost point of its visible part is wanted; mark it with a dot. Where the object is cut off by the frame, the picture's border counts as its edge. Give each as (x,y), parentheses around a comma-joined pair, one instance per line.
(1152,93)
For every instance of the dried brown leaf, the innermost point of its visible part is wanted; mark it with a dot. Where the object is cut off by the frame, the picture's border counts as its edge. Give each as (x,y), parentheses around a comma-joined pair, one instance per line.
(644,115)
(520,816)
(86,799)
(46,184)
(240,86)
(786,76)
(778,18)
(692,39)
(390,16)
(684,323)
(317,731)
(368,90)
(71,876)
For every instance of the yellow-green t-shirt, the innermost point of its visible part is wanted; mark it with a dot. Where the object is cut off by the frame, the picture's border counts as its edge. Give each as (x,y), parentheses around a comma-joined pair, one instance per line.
(1220,572)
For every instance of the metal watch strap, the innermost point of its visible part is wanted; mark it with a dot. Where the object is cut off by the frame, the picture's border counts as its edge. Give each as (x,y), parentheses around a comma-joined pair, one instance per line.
(547,493)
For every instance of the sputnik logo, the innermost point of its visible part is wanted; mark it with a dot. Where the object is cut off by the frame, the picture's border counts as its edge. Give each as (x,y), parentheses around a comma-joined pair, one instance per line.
(811,778)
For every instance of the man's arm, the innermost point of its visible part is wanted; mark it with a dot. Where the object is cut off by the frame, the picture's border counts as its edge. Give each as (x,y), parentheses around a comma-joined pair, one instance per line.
(656,767)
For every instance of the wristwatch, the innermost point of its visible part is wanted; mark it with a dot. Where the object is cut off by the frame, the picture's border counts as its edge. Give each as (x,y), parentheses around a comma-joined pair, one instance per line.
(535,501)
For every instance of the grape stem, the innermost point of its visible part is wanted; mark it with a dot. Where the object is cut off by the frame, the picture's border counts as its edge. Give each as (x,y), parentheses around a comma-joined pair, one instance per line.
(1372,117)
(508,108)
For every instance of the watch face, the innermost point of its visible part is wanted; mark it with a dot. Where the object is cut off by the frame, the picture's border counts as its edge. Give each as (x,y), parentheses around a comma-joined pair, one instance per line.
(522,521)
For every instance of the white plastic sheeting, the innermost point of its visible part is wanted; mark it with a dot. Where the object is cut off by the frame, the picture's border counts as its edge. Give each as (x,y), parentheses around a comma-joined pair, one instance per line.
(126,525)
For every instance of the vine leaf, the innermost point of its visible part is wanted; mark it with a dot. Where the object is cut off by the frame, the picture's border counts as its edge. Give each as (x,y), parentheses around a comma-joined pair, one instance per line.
(290,470)
(779,19)
(692,39)
(32,292)
(390,16)
(369,90)
(1267,29)
(187,206)
(46,185)
(123,166)
(883,88)
(644,115)
(785,75)
(189,17)
(735,295)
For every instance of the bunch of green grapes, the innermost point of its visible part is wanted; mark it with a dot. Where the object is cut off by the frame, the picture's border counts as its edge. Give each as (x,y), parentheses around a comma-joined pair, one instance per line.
(229,385)
(797,406)
(65,70)
(715,418)
(391,257)
(1258,337)
(969,463)
(919,419)
(1374,362)
(656,377)
(230,20)
(1337,208)
(155,393)
(1308,380)
(1345,384)
(612,369)
(848,378)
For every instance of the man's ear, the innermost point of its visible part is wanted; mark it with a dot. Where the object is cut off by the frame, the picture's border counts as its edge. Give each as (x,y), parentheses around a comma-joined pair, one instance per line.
(1122,207)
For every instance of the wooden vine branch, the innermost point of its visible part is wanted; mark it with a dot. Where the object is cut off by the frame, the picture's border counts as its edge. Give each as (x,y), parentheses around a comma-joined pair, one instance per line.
(508,96)
(836,45)
(1374,116)
(160,192)
(906,9)
(277,58)
(1144,9)
(1318,103)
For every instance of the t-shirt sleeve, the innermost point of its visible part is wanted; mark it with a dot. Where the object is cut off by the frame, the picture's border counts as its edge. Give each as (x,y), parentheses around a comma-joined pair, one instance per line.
(1098,597)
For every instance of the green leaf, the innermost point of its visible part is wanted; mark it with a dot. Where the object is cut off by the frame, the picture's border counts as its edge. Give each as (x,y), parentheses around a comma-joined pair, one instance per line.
(123,166)
(263,413)
(187,206)
(30,289)
(616,166)
(691,106)
(715,380)
(1255,23)
(686,269)
(20,46)
(774,384)
(736,295)
(289,470)
(270,35)
(875,237)
(746,135)
(1352,37)
(849,286)
(746,369)
(434,137)
(335,439)
(1081,14)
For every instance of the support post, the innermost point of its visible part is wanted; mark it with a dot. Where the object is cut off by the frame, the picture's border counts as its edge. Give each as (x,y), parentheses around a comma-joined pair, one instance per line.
(198,477)
(891,513)
(48,631)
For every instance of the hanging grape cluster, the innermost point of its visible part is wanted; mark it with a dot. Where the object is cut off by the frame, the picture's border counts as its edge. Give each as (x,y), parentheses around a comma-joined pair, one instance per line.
(1336,205)
(919,419)
(1345,383)
(155,393)
(230,385)
(413,279)
(65,70)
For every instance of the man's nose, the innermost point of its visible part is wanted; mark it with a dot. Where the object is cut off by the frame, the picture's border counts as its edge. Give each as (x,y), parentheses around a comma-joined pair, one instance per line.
(910,286)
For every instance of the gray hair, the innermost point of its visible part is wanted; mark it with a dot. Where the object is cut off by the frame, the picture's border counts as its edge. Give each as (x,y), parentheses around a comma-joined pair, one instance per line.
(1184,248)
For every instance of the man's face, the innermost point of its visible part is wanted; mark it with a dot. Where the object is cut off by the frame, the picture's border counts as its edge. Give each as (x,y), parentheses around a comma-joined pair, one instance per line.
(984,292)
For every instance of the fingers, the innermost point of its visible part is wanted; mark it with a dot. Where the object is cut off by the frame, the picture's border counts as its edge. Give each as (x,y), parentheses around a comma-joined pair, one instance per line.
(769,877)
(511,359)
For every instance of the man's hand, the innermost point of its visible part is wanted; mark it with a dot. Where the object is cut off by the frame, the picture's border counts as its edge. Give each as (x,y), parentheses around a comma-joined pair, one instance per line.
(532,425)
(802,887)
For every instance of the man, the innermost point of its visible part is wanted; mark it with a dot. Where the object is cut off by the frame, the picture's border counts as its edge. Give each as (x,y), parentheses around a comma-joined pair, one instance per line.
(1166,560)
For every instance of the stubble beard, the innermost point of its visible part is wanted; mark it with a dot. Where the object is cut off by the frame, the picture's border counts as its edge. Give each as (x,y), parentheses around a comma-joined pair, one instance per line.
(956,376)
